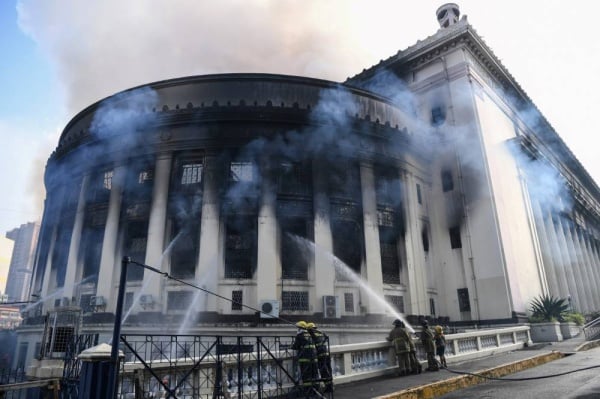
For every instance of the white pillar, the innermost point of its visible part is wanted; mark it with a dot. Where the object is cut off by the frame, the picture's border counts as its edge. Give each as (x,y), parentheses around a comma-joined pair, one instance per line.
(155,243)
(568,262)
(210,257)
(556,253)
(268,262)
(417,299)
(110,267)
(323,267)
(576,266)
(73,257)
(594,278)
(582,263)
(549,266)
(371,236)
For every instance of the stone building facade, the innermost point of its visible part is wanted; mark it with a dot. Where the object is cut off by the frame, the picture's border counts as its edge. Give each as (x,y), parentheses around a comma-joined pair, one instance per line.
(430,175)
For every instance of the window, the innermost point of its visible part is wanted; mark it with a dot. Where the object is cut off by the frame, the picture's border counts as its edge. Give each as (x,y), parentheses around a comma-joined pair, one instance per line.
(419,197)
(390,262)
(349,302)
(179,300)
(397,302)
(438,116)
(425,239)
(432,306)
(241,172)
(294,262)
(184,253)
(92,250)
(348,243)
(294,300)
(447,182)
(237,299)
(128,302)
(107,180)
(463,300)
(135,248)
(455,241)
(240,246)
(191,173)
(387,186)
(295,178)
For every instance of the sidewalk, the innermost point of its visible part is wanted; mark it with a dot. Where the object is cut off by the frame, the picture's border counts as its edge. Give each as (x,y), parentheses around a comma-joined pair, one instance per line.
(524,358)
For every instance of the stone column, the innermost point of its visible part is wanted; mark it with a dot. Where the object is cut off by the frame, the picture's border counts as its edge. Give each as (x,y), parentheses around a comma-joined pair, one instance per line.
(594,278)
(268,267)
(324,271)
(583,265)
(576,265)
(48,273)
(557,256)
(73,258)
(210,257)
(110,267)
(155,243)
(568,263)
(417,300)
(371,237)
(547,258)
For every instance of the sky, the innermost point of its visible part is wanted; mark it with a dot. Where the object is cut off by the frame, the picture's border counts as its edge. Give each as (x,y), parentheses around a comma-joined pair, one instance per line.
(59,56)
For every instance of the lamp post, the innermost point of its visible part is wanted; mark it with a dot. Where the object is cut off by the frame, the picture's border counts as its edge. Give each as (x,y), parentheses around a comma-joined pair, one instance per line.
(111,392)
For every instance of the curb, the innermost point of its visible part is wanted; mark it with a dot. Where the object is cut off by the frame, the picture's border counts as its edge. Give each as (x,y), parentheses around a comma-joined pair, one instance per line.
(588,345)
(439,388)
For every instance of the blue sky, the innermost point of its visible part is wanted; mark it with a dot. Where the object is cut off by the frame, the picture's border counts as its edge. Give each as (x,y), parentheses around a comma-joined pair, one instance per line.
(76,52)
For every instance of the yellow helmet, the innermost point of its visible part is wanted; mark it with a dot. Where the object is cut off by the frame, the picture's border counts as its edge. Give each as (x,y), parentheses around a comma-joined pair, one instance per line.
(311,325)
(301,324)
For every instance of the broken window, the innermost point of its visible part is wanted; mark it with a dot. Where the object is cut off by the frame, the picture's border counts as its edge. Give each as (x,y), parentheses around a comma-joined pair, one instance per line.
(455,241)
(185,244)
(387,186)
(91,250)
(348,243)
(295,178)
(135,248)
(438,116)
(390,262)
(344,180)
(241,172)
(240,246)
(294,260)
(60,253)
(447,181)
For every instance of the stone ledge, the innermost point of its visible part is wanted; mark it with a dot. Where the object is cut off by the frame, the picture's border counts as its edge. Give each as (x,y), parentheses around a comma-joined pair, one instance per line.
(440,388)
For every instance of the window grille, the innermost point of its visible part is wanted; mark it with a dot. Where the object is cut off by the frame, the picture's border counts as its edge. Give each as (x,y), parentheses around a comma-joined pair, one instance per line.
(349,302)
(241,172)
(237,300)
(179,300)
(295,178)
(191,173)
(107,180)
(85,302)
(386,218)
(294,300)
(397,301)
(390,261)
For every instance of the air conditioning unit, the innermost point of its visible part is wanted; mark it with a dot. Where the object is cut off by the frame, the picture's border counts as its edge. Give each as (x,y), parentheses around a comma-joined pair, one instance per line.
(64,301)
(269,309)
(146,301)
(331,307)
(98,300)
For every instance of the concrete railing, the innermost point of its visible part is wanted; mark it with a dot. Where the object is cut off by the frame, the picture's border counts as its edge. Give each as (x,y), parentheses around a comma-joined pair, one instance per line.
(273,372)
(367,360)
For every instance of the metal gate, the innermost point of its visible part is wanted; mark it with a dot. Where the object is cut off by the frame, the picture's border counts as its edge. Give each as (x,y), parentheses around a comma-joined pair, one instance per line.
(191,366)
(72,366)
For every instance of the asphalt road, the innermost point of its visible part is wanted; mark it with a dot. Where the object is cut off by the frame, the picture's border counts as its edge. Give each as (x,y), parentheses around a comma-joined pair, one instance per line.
(577,385)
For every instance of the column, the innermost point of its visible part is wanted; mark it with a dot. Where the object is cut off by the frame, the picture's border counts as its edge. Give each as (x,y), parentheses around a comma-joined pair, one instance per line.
(582,265)
(575,264)
(155,242)
(267,259)
(72,260)
(324,270)
(594,263)
(110,267)
(210,259)
(417,299)
(568,262)
(371,236)
(557,257)
(591,280)
(549,266)
(48,273)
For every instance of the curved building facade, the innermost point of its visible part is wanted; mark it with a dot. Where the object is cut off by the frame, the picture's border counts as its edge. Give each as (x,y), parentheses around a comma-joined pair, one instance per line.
(431,176)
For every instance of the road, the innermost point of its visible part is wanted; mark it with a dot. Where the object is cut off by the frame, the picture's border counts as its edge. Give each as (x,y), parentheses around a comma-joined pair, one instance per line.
(578,385)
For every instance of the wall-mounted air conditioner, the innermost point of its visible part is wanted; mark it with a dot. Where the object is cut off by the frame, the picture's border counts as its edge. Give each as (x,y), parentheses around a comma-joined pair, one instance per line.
(146,301)
(98,300)
(269,309)
(331,307)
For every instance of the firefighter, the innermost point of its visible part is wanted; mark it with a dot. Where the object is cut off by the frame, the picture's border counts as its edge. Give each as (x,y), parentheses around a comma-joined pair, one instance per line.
(415,364)
(321,341)
(440,345)
(307,358)
(429,346)
(400,339)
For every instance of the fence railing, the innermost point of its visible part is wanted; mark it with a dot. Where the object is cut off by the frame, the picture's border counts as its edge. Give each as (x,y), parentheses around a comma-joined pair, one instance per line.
(265,367)
(591,330)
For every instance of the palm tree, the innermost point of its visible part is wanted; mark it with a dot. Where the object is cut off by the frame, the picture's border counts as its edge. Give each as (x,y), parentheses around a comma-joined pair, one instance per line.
(548,308)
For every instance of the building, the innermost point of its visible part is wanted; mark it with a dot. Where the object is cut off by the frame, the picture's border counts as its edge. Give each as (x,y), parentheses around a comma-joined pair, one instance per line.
(21,261)
(430,175)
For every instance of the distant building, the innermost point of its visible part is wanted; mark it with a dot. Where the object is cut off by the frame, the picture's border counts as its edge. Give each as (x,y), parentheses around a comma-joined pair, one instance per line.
(21,262)
(430,175)
(10,317)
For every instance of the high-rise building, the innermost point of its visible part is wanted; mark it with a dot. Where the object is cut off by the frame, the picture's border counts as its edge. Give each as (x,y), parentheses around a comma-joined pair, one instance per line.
(428,184)
(21,262)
